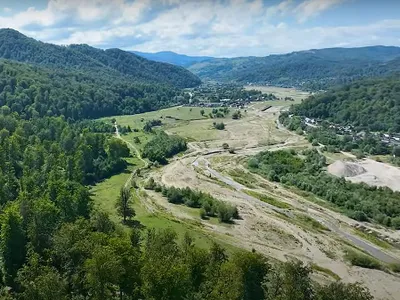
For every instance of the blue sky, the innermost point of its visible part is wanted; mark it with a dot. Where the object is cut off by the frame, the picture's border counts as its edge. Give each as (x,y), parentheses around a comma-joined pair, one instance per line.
(222,28)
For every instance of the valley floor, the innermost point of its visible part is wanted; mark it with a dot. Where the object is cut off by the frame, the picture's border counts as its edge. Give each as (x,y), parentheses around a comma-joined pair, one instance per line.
(291,225)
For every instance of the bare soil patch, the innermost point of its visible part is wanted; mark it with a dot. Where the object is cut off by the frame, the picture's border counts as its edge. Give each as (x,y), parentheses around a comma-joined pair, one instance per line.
(368,171)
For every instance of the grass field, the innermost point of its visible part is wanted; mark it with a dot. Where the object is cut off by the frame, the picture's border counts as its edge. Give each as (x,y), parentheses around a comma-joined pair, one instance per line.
(181,113)
(279,92)
(106,192)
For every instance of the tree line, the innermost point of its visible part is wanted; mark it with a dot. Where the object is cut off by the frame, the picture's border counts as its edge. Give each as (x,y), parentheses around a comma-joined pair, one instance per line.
(35,92)
(209,206)
(359,201)
(163,146)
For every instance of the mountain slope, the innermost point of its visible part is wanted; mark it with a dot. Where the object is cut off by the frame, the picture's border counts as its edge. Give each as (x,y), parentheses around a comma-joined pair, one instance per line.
(173,58)
(37,91)
(369,104)
(113,62)
(311,69)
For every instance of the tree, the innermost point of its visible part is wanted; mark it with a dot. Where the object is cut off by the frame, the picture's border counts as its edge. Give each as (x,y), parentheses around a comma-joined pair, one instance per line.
(225,146)
(102,223)
(165,275)
(254,268)
(13,242)
(117,148)
(124,205)
(396,151)
(128,253)
(44,221)
(202,112)
(341,291)
(291,282)
(102,273)
(41,282)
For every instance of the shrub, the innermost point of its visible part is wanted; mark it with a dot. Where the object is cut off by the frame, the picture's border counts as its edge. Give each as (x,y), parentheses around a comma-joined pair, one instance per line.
(203,213)
(150,184)
(362,260)
(219,126)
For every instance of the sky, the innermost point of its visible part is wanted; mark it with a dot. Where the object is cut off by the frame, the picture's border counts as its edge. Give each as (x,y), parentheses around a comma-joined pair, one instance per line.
(220,28)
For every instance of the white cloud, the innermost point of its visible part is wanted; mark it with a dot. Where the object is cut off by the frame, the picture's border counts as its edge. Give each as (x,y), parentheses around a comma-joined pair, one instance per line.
(7,9)
(310,8)
(213,27)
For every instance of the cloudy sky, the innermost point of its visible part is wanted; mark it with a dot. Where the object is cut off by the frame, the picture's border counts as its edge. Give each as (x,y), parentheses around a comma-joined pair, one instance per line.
(222,28)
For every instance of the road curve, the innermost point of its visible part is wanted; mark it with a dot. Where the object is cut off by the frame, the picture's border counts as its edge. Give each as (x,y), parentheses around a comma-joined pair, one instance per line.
(367,247)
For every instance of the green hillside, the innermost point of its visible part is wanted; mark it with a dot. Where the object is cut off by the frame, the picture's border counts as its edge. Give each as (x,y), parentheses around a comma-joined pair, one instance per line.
(313,69)
(370,104)
(113,62)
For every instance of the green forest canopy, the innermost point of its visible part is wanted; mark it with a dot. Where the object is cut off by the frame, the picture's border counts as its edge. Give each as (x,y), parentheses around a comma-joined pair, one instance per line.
(112,62)
(313,69)
(370,104)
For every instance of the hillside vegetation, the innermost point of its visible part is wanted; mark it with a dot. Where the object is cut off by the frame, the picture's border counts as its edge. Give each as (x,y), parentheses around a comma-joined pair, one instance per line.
(371,104)
(173,58)
(33,91)
(306,172)
(313,69)
(112,63)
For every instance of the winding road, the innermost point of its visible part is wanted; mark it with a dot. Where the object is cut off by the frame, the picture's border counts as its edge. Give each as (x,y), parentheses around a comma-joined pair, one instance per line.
(367,247)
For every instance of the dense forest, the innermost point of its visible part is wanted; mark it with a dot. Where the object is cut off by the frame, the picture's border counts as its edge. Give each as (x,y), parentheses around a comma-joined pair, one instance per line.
(33,92)
(370,104)
(113,63)
(307,172)
(313,69)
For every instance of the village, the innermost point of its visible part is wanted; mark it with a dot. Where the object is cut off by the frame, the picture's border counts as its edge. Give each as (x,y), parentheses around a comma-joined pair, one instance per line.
(392,139)
(228,95)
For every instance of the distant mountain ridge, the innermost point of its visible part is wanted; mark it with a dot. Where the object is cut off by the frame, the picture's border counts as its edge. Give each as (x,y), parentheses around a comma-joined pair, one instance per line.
(115,62)
(173,58)
(314,69)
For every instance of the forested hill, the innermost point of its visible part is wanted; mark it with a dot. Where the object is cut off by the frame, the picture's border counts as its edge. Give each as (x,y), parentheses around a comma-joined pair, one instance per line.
(113,62)
(313,69)
(372,104)
(173,58)
(34,91)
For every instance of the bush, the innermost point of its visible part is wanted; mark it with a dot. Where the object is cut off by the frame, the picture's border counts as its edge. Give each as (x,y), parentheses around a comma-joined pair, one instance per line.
(226,213)
(225,146)
(203,213)
(253,163)
(236,115)
(219,126)
(209,206)
(362,260)
(150,184)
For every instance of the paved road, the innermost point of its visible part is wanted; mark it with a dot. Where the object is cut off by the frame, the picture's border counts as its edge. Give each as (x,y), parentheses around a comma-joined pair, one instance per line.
(367,247)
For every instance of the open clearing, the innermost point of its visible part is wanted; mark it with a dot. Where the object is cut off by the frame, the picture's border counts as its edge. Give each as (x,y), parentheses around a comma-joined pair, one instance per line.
(368,171)
(276,221)
(280,92)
